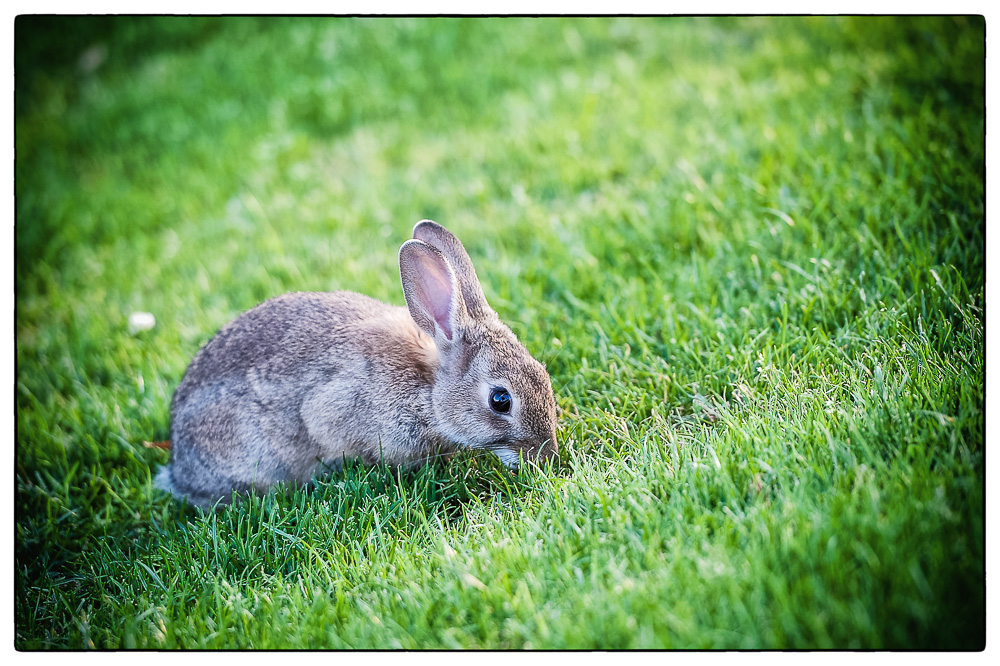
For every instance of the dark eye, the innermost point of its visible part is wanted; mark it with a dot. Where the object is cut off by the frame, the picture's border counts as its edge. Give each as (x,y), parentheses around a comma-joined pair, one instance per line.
(500,400)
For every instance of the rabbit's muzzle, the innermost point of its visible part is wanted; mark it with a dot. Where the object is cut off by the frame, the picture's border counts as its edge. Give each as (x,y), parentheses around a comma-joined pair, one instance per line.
(512,453)
(547,450)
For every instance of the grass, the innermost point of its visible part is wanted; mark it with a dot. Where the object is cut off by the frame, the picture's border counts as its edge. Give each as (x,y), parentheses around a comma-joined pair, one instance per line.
(750,252)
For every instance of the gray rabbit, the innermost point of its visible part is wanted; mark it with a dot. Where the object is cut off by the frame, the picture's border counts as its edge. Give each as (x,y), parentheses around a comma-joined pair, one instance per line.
(306,379)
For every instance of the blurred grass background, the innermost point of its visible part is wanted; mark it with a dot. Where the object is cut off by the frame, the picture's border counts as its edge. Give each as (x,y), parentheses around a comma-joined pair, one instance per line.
(749,250)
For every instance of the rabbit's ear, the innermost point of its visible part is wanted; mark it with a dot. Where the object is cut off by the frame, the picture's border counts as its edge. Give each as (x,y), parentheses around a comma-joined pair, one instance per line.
(431,289)
(434,234)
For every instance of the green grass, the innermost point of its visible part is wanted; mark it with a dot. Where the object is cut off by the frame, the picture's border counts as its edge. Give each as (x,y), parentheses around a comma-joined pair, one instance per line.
(750,251)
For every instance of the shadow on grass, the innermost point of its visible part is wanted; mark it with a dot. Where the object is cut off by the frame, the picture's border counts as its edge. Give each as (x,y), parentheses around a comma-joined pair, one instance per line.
(112,541)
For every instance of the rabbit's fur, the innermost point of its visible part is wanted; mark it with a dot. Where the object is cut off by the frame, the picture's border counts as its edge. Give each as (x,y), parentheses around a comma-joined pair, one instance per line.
(305,380)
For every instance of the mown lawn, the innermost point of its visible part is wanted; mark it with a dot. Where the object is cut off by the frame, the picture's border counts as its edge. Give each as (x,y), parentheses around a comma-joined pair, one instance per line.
(750,252)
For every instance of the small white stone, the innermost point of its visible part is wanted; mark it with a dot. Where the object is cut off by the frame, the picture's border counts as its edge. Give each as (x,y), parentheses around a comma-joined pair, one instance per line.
(140,321)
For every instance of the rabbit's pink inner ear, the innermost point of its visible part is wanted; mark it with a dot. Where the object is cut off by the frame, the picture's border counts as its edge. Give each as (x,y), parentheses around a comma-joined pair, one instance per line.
(429,286)
(435,292)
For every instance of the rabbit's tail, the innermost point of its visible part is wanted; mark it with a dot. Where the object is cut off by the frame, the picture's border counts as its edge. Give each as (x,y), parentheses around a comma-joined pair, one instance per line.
(164,481)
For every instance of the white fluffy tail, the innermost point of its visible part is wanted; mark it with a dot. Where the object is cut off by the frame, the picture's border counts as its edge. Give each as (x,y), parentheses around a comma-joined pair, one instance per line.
(163,481)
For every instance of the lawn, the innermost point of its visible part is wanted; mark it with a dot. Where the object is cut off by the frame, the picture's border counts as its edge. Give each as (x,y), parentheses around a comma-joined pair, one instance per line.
(750,252)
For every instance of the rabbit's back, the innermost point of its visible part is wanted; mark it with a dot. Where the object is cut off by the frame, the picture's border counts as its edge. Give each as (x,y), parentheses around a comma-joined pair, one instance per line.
(290,331)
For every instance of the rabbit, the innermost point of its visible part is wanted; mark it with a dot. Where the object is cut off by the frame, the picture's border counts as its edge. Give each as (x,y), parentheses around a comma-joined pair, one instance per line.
(307,379)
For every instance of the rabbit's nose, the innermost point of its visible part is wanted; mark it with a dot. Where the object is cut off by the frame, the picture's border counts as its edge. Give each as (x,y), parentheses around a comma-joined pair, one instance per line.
(548,450)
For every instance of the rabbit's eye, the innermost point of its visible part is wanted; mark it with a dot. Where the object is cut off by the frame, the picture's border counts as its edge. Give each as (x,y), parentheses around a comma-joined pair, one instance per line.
(500,400)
